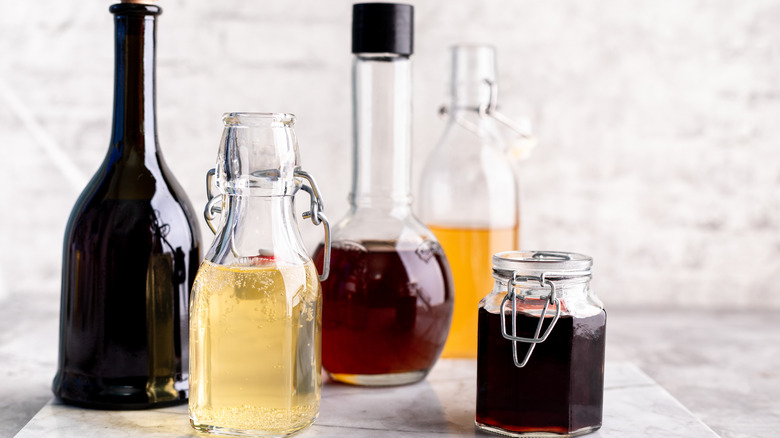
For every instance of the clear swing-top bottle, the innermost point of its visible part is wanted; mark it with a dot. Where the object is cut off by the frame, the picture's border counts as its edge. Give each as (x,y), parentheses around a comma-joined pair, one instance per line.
(255,311)
(469,190)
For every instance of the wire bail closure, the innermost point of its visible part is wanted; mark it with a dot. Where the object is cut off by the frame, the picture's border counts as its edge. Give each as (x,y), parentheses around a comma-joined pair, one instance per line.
(212,205)
(489,109)
(316,211)
(317,216)
(551,298)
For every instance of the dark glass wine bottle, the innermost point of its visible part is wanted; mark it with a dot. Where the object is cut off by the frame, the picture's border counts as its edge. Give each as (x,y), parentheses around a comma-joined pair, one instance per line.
(131,251)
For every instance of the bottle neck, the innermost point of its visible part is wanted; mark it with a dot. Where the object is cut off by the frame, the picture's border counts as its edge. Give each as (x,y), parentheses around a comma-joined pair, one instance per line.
(468,96)
(255,226)
(382,131)
(473,72)
(134,129)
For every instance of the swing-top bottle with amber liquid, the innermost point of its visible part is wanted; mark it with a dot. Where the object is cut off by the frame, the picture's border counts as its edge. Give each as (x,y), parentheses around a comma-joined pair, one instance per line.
(469,190)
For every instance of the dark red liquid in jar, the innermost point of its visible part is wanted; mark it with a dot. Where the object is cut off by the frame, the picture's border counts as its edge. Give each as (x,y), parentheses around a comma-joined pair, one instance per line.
(385,310)
(561,388)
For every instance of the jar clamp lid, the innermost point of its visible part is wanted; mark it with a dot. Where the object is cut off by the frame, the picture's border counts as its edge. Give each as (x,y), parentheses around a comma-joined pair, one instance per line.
(515,268)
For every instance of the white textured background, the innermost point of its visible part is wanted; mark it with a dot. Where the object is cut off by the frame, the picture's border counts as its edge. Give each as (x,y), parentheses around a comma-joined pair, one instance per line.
(659,141)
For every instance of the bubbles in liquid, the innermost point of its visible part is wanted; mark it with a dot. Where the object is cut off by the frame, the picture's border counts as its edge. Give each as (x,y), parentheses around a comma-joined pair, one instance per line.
(255,337)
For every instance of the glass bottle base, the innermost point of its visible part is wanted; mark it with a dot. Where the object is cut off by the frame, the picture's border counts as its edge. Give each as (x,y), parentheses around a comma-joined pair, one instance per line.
(504,432)
(392,379)
(119,406)
(216,430)
(127,393)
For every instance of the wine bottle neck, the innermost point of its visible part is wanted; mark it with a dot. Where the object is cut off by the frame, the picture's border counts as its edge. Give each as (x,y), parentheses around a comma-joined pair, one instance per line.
(382,117)
(134,128)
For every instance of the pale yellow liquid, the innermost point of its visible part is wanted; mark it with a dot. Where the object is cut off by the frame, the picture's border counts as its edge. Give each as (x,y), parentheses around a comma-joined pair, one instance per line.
(255,349)
(469,251)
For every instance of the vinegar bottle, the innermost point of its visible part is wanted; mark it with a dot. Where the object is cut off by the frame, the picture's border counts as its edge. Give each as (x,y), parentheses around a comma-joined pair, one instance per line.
(387,304)
(469,192)
(255,315)
(130,253)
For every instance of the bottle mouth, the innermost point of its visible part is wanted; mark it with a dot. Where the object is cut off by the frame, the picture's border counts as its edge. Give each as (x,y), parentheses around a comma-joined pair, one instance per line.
(257,119)
(135,8)
(473,48)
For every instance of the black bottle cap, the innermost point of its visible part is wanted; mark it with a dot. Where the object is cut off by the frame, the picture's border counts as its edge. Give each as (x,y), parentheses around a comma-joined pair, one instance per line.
(383,28)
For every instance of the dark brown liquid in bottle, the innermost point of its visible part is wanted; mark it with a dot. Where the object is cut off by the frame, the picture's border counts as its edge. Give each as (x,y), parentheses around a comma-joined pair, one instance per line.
(384,310)
(560,389)
(130,254)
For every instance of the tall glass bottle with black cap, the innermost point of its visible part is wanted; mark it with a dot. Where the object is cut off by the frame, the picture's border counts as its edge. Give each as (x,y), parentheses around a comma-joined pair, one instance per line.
(388,302)
(131,251)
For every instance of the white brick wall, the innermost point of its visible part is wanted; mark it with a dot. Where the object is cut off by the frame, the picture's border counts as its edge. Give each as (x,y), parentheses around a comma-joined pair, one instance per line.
(659,151)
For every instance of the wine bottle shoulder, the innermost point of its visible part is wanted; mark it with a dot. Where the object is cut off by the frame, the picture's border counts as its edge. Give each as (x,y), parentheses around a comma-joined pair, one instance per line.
(132,191)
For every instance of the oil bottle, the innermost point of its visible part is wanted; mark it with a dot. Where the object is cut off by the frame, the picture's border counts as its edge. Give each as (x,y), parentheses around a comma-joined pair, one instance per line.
(469,189)
(255,312)
(388,302)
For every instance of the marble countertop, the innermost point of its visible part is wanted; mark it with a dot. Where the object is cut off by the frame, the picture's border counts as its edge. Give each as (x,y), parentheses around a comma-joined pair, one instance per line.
(723,367)
(442,405)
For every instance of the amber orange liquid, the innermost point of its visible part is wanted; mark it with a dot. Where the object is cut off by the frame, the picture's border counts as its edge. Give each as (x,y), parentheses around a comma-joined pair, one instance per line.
(469,251)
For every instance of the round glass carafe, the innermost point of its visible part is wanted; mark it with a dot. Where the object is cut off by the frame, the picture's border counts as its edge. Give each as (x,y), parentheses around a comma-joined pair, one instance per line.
(388,302)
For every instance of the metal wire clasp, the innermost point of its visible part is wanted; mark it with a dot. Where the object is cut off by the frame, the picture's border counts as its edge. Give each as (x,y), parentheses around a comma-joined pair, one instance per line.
(490,109)
(517,149)
(317,216)
(316,211)
(552,298)
(213,207)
